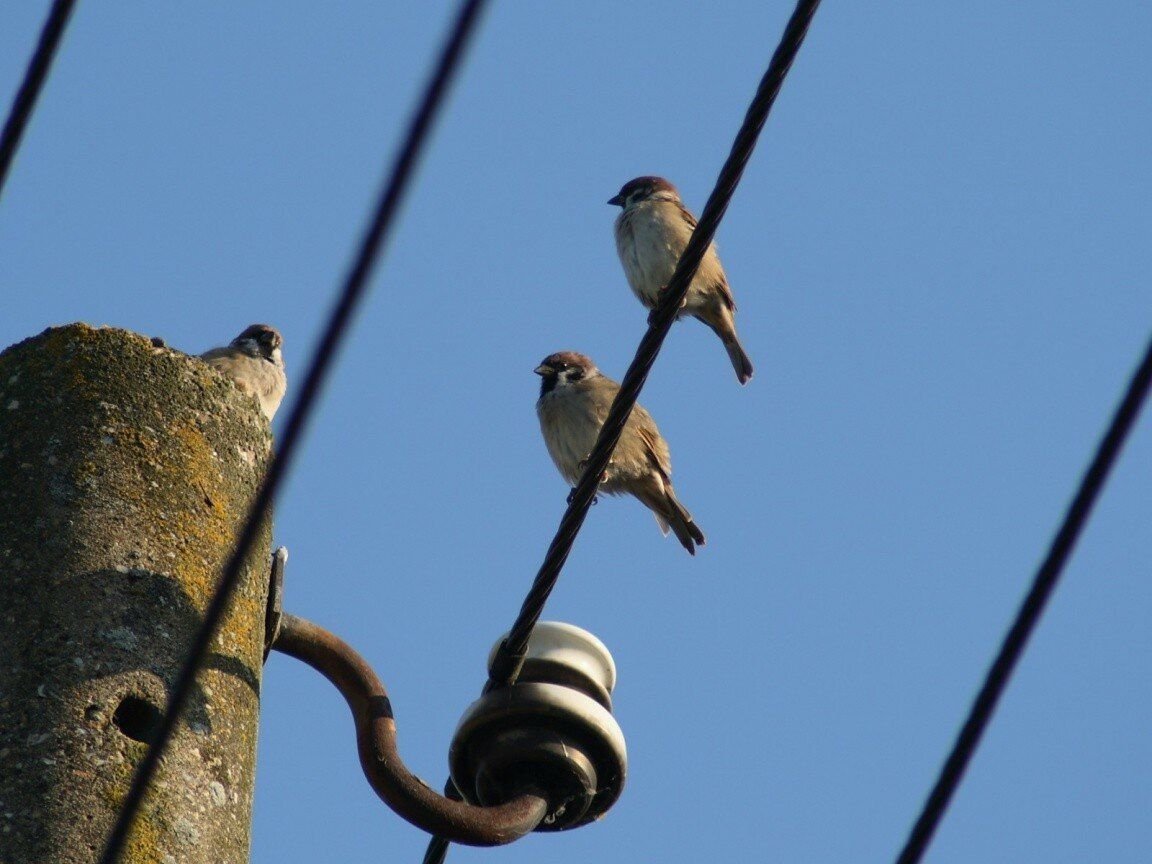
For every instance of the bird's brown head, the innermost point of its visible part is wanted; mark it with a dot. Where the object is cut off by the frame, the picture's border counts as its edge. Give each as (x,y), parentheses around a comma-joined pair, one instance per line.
(260,340)
(644,189)
(563,368)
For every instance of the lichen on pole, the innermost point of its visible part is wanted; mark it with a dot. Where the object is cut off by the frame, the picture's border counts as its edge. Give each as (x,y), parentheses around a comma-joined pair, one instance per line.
(125,471)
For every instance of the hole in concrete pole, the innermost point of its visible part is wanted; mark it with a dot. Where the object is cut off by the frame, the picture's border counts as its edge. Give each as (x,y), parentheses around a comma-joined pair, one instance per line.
(137,718)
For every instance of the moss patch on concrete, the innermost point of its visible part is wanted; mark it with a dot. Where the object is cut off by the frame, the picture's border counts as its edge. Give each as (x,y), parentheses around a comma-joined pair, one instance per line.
(127,469)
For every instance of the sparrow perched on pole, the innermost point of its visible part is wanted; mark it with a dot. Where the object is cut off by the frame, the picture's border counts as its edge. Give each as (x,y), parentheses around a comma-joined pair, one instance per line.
(651,233)
(574,402)
(253,360)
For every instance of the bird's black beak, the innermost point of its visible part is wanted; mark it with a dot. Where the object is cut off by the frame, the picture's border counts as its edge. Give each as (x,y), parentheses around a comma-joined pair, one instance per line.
(618,200)
(543,370)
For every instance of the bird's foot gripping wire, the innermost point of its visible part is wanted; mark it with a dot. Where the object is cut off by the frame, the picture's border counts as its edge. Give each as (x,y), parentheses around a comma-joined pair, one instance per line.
(581,466)
(572,494)
(661,295)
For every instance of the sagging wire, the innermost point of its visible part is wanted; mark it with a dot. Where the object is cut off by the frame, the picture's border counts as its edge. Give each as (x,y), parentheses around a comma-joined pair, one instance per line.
(1016,640)
(34,77)
(506,664)
(351,294)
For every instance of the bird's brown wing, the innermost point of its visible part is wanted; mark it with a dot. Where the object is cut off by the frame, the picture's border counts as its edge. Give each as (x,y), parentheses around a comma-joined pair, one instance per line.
(725,291)
(722,282)
(655,448)
(686,214)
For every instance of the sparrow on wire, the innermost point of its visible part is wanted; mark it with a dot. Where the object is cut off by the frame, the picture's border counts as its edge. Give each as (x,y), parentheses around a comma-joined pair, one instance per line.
(253,360)
(574,402)
(651,233)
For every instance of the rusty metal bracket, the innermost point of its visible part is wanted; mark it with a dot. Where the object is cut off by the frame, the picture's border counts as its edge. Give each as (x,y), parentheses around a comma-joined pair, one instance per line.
(274,610)
(399,788)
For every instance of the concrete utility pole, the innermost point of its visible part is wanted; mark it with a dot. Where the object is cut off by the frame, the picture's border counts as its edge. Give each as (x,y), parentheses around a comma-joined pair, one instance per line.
(125,471)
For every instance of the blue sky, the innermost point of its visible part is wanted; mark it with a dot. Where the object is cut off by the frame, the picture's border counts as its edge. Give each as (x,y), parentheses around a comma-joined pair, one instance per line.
(941,255)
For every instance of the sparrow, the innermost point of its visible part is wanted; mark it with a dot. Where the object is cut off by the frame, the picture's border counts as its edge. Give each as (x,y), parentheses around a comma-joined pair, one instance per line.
(573,405)
(253,360)
(651,232)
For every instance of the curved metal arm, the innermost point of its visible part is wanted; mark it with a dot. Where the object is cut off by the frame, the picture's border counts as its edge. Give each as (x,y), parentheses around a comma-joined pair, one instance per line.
(398,787)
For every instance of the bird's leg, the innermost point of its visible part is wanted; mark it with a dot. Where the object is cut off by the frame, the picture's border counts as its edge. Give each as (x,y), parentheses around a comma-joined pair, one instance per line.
(661,296)
(572,494)
(581,466)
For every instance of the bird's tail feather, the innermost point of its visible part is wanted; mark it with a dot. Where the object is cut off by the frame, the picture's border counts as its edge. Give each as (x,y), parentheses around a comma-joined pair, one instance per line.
(721,322)
(740,359)
(671,515)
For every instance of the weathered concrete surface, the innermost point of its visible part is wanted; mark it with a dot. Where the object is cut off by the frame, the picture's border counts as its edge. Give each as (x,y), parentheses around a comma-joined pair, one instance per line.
(125,471)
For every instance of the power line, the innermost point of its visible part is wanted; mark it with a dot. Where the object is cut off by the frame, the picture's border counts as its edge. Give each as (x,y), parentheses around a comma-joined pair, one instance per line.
(351,294)
(1016,640)
(437,851)
(505,665)
(33,83)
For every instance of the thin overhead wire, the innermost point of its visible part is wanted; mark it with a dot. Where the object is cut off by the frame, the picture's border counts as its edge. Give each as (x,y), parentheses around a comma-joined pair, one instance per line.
(352,292)
(1016,640)
(505,666)
(33,83)
(437,851)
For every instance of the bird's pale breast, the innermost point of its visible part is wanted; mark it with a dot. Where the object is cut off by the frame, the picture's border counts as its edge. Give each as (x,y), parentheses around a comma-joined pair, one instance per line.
(570,426)
(650,239)
(254,375)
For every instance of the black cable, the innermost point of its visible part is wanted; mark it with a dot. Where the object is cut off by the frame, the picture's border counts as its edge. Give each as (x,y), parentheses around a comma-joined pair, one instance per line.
(1029,614)
(352,292)
(506,664)
(437,851)
(33,83)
